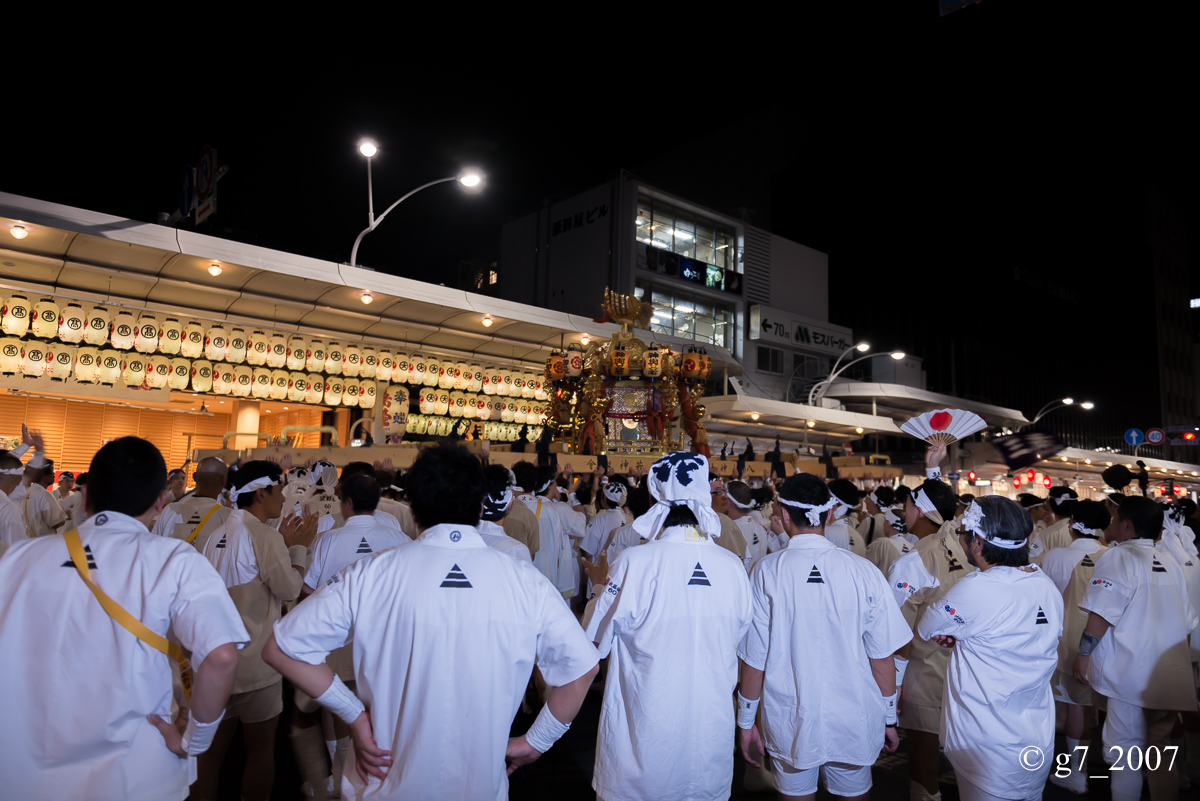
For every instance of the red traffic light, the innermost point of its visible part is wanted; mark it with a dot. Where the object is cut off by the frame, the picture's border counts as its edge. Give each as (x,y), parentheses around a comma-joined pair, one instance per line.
(970,475)
(1046,482)
(1190,436)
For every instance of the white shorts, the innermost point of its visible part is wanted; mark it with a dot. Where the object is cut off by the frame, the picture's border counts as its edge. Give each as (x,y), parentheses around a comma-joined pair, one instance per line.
(971,792)
(840,778)
(1128,726)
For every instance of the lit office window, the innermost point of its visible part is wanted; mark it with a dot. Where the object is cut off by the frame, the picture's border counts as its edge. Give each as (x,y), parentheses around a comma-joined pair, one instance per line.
(664,226)
(687,316)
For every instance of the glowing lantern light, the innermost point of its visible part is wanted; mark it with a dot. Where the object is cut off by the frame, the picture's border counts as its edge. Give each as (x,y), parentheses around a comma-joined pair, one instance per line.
(216,343)
(192,346)
(236,354)
(170,337)
(71,323)
(243,381)
(181,373)
(96,332)
(15,321)
(44,319)
(121,330)
(256,349)
(202,375)
(87,365)
(279,385)
(262,382)
(314,388)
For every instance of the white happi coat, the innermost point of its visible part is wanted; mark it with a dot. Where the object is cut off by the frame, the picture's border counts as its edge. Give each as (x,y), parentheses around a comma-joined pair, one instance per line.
(1143,659)
(180,519)
(1057,535)
(358,537)
(75,686)
(671,616)
(1183,550)
(598,530)
(12,526)
(998,701)
(446,631)
(1071,570)
(841,535)
(757,540)
(493,534)
(555,557)
(40,511)
(820,614)
(884,552)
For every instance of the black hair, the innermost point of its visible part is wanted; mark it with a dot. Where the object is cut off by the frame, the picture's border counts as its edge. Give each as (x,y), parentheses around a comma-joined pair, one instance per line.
(362,490)
(495,482)
(1187,506)
(249,471)
(545,474)
(763,495)
(1091,514)
(81,479)
(526,474)
(583,493)
(130,476)
(446,486)
(357,468)
(1118,477)
(900,495)
(966,497)
(9,462)
(740,491)
(884,495)
(943,498)
(803,488)
(679,516)
(178,472)
(1006,520)
(1145,515)
(1058,504)
(638,501)
(845,491)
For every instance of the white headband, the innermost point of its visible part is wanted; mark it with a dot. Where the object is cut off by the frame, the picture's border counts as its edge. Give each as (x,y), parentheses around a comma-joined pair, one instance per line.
(495,504)
(926,506)
(545,486)
(1084,530)
(319,470)
(394,488)
(615,492)
(840,510)
(896,521)
(1059,500)
(256,484)
(13,471)
(973,521)
(813,511)
(745,507)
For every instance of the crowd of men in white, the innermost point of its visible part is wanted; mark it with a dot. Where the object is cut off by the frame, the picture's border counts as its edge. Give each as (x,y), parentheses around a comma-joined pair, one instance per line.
(801,625)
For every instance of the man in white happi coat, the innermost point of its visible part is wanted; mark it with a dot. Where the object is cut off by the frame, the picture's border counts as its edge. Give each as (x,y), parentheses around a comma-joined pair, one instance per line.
(1001,625)
(446,631)
(670,616)
(874,503)
(87,701)
(67,496)
(839,531)
(555,557)
(498,499)
(12,525)
(741,505)
(197,516)
(884,551)
(731,538)
(1134,649)
(826,710)
(1059,506)
(39,510)
(610,499)
(637,504)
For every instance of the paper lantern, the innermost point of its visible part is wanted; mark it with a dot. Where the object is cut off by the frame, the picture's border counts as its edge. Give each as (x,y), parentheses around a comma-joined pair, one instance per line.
(506,383)
(385,364)
(370,362)
(527,387)
(443,427)
(297,383)
(95,331)
(690,367)
(10,356)
(314,361)
(509,411)
(426,400)
(491,379)
(202,375)
(297,353)
(395,410)
(522,412)
(416,424)
(236,354)
(445,374)
(110,366)
(433,370)
(574,361)
(366,395)
(518,384)
(44,319)
(261,388)
(334,387)
(350,392)
(181,373)
(61,358)
(352,361)
(145,334)
(121,330)
(256,349)
(33,363)
(279,385)
(705,364)
(416,370)
(192,346)
(216,343)
(555,366)
(71,323)
(469,407)
(87,365)
(618,361)
(170,337)
(314,388)
(483,407)
(15,321)
(460,377)
(453,409)
(443,402)
(652,363)
(474,380)
(540,391)
(158,370)
(223,379)
(133,369)
(243,381)
(335,360)
(277,351)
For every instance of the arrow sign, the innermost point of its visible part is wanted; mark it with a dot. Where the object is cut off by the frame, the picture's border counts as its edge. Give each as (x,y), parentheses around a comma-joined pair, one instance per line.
(1134,436)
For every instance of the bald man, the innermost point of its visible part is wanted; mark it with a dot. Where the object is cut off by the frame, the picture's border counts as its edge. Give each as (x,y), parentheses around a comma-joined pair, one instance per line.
(198,515)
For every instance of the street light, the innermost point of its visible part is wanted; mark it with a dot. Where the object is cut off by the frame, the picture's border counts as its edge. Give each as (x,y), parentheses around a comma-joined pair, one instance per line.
(861,347)
(821,387)
(469,178)
(1058,404)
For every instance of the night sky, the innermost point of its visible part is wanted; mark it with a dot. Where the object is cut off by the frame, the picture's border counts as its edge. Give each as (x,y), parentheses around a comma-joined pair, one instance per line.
(977,180)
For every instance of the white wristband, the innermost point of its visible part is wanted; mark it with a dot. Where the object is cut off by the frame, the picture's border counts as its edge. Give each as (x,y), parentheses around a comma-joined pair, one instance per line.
(299,556)
(20,450)
(746,711)
(889,712)
(933,472)
(901,666)
(340,701)
(545,731)
(197,737)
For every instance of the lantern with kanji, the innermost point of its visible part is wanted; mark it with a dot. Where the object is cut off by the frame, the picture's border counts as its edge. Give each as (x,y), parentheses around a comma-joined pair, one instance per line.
(192,346)
(60,358)
(202,375)
(71,323)
(158,370)
(279,385)
(216,343)
(87,364)
(314,361)
(15,321)
(170,337)
(181,373)
(110,366)
(256,349)
(44,320)
(297,356)
(34,363)
(243,381)
(277,351)
(145,338)
(121,330)
(237,346)
(96,330)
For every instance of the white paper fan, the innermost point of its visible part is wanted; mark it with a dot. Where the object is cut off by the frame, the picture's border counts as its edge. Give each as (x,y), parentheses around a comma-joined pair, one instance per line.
(943,426)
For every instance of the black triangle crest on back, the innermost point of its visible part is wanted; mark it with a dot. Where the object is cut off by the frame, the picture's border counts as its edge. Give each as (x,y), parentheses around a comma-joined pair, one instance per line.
(814,576)
(1087,561)
(221,544)
(456,578)
(1041,618)
(954,563)
(1157,567)
(91,562)
(698,577)
(364,546)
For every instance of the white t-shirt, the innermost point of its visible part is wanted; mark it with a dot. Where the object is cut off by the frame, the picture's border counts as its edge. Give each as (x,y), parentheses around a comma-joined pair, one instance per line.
(554,558)
(757,540)
(41,511)
(181,518)
(1056,535)
(446,631)
(820,614)
(493,534)
(998,700)
(12,526)
(596,534)
(75,702)
(1071,571)
(358,537)
(1143,659)
(671,616)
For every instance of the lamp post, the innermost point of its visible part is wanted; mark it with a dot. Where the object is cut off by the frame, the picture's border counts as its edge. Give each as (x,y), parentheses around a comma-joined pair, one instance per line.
(1055,405)
(861,347)
(470,179)
(819,390)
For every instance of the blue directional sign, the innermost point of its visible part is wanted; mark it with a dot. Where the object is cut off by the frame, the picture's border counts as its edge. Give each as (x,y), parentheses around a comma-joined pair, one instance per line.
(1134,436)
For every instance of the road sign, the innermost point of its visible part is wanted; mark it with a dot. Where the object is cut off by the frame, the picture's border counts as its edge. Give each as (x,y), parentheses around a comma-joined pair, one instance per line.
(1155,436)
(1184,441)
(1134,436)
(206,184)
(954,476)
(1181,429)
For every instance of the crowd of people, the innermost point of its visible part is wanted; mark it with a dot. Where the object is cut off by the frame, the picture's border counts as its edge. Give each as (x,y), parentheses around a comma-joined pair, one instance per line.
(799,625)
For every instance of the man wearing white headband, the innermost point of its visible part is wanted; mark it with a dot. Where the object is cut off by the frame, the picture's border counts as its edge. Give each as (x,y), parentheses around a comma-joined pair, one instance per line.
(731,538)
(336,519)
(39,509)
(12,526)
(1057,517)
(830,709)
(884,551)
(385,474)
(497,501)
(741,504)
(1001,625)
(67,496)
(610,516)
(87,689)
(670,616)
(262,567)
(875,502)
(555,556)
(445,635)
(198,515)
(1134,649)
(838,531)
(918,580)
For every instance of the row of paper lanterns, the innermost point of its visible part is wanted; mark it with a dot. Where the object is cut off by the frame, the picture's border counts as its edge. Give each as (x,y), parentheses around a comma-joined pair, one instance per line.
(147,335)
(496,432)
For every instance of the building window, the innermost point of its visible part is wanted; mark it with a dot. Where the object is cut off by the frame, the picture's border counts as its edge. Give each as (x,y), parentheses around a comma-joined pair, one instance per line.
(492,277)
(687,316)
(665,226)
(770,360)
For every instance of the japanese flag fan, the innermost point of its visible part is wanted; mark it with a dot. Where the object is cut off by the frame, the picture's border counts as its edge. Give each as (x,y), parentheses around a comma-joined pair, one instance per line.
(943,426)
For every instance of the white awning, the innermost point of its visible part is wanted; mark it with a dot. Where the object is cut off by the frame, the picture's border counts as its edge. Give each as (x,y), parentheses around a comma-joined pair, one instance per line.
(901,402)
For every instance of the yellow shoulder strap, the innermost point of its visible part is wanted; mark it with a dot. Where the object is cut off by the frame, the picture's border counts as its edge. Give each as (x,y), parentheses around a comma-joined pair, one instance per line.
(538,513)
(126,620)
(203,520)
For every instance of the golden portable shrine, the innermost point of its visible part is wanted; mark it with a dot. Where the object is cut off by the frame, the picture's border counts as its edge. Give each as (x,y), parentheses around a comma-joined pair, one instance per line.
(622,396)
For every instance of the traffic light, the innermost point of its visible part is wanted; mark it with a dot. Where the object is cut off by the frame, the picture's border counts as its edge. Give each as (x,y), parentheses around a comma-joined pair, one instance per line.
(971,477)
(1189,436)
